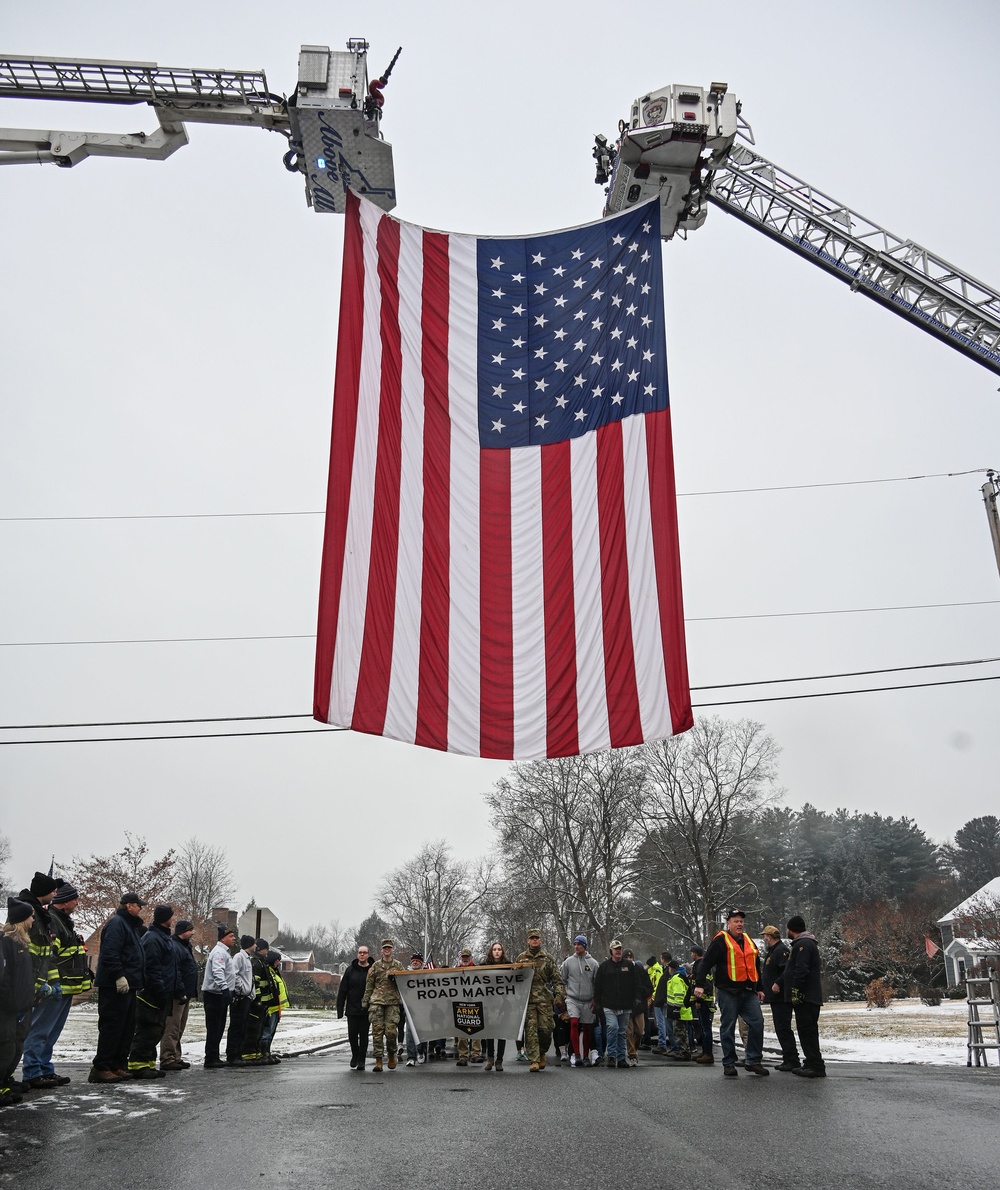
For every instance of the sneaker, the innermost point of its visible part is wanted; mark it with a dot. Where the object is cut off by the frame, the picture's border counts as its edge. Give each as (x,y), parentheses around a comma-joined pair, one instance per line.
(411,1061)
(730,1071)
(610,1063)
(421,1058)
(521,1056)
(42,1082)
(563,1057)
(633,1063)
(758,1069)
(594,1057)
(574,1060)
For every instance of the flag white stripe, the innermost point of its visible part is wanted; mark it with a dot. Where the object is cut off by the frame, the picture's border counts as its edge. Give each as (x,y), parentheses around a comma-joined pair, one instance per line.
(463,570)
(357,551)
(528,603)
(591,685)
(401,708)
(647,642)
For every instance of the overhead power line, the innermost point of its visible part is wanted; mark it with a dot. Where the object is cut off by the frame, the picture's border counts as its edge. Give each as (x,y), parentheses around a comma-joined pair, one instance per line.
(193,516)
(323,728)
(186,640)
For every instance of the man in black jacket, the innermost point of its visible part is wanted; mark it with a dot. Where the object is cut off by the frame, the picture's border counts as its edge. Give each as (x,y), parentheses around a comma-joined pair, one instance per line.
(185,991)
(772,977)
(615,989)
(352,988)
(803,989)
(153,1003)
(120,974)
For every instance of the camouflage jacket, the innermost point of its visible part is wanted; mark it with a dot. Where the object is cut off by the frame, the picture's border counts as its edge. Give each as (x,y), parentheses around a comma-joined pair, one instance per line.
(379,988)
(546,984)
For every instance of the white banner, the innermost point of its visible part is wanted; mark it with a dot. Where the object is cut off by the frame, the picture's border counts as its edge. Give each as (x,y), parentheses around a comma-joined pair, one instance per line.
(474,1001)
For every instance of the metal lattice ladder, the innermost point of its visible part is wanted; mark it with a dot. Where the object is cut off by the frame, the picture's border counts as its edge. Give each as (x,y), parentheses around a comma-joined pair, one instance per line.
(983,998)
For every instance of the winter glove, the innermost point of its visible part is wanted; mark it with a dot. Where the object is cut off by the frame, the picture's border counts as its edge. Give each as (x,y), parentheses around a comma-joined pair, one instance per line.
(121,985)
(56,989)
(797,996)
(44,990)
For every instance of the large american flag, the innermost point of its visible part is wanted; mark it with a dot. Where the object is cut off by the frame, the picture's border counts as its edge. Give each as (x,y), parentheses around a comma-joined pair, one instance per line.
(500,570)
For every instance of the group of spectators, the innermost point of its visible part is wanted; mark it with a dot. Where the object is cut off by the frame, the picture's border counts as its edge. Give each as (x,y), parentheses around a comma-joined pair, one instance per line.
(147,977)
(603,1012)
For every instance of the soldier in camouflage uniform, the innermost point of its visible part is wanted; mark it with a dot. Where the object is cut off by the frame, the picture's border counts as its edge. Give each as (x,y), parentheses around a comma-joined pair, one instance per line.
(382,1001)
(547,988)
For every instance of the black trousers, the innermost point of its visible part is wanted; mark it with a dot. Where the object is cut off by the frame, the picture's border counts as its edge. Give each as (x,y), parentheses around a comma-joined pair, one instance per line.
(115,1028)
(358,1026)
(239,1012)
(216,1007)
(781,1015)
(150,1019)
(12,1035)
(807,1027)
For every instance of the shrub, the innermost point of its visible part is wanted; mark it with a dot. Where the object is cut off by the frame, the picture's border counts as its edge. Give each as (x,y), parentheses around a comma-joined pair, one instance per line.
(930,996)
(956,993)
(879,993)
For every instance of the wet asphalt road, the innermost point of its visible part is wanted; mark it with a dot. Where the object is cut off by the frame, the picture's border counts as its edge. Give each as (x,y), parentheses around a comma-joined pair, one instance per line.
(313,1122)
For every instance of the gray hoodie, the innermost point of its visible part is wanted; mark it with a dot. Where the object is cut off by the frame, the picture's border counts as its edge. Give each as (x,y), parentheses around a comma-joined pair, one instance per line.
(578,973)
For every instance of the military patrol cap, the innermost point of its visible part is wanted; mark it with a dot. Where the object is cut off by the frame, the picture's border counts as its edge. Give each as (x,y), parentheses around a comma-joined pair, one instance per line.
(534,932)
(388,942)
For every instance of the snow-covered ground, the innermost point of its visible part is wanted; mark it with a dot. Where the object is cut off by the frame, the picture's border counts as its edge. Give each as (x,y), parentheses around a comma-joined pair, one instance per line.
(908,1032)
(300,1029)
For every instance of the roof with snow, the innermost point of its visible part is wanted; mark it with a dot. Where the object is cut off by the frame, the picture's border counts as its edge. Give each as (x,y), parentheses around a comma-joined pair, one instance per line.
(989,891)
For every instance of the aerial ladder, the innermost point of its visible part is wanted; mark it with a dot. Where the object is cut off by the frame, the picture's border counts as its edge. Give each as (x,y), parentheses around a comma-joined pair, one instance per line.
(680,145)
(330,125)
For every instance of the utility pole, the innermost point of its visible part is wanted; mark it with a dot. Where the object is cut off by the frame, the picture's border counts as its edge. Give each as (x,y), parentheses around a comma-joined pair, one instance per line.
(991,489)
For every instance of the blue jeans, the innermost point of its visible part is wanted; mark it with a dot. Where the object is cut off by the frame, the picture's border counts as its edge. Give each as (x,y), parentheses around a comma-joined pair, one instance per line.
(269,1026)
(47,1023)
(616,1024)
(732,1005)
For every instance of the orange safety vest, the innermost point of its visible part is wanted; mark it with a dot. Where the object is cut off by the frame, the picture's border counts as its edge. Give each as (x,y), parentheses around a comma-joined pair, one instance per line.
(741,962)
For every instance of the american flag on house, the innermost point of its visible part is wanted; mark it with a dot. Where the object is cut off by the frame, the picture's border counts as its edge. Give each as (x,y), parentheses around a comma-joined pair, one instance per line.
(501,572)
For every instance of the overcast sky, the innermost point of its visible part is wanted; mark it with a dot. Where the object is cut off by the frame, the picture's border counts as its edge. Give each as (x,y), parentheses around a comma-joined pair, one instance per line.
(167,345)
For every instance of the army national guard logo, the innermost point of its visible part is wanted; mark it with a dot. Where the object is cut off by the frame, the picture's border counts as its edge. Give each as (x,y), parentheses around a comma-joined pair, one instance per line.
(468,1017)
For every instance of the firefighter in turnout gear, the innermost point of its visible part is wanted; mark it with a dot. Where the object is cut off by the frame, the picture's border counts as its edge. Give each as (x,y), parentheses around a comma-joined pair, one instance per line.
(547,989)
(381,999)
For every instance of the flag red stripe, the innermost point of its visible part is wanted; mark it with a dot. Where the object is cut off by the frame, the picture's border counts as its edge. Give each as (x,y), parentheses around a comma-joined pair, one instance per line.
(667,560)
(496,607)
(380,608)
(432,688)
(562,737)
(345,419)
(625,726)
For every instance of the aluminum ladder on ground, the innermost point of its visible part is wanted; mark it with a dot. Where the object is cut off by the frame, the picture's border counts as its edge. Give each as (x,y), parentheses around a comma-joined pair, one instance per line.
(983,999)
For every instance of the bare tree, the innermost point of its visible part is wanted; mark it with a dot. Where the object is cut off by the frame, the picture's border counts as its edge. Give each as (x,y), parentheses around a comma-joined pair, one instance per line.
(203,880)
(569,831)
(705,788)
(4,861)
(103,879)
(436,895)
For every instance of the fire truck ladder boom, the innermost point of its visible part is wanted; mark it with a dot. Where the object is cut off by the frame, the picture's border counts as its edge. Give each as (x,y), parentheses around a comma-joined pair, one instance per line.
(927,291)
(177,96)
